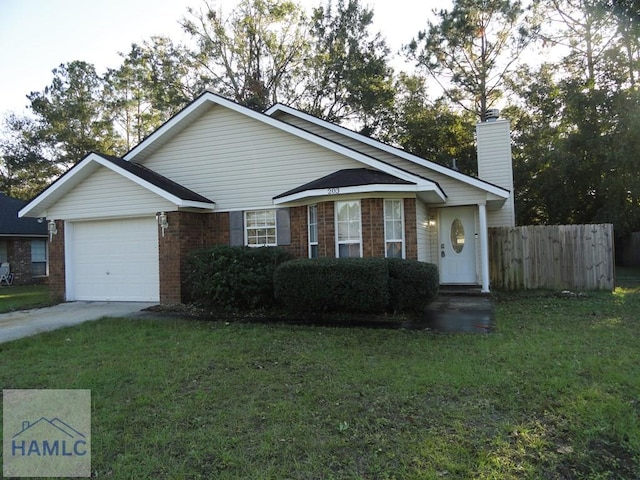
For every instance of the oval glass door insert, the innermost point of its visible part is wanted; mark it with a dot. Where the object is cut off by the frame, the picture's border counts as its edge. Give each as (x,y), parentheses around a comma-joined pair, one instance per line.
(457,235)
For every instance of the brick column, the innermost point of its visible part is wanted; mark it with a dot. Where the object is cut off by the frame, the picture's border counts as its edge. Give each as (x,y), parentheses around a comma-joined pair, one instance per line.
(299,246)
(186,233)
(57,267)
(372,220)
(169,260)
(410,229)
(326,230)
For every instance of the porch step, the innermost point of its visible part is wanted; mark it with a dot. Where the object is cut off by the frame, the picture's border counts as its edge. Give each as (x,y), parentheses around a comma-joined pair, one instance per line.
(462,290)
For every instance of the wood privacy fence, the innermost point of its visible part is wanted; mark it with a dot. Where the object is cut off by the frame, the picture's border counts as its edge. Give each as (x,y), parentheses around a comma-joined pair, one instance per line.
(564,257)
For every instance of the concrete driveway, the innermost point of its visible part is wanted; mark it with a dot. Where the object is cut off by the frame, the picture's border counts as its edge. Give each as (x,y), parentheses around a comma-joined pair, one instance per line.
(29,322)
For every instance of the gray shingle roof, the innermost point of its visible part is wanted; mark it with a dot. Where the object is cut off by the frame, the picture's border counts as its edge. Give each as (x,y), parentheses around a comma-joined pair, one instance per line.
(156,179)
(11,225)
(351,177)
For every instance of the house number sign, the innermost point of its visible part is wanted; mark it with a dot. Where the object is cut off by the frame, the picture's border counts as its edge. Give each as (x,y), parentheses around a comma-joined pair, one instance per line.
(333,191)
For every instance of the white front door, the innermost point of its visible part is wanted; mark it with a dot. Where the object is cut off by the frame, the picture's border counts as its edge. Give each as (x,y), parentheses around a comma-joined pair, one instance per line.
(457,245)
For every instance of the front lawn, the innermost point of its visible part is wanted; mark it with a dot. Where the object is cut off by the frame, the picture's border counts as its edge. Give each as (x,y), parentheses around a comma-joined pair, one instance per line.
(23,297)
(553,394)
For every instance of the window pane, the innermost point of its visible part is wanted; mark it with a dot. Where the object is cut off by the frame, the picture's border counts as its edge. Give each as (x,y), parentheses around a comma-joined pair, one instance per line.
(313,231)
(457,235)
(39,269)
(3,251)
(349,250)
(343,231)
(261,227)
(397,230)
(38,251)
(394,249)
(343,211)
(354,229)
(388,228)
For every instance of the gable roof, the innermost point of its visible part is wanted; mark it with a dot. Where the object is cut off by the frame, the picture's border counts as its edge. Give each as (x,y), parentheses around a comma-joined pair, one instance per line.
(347,181)
(146,178)
(157,180)
(472,181)
(11,225)
(206,99)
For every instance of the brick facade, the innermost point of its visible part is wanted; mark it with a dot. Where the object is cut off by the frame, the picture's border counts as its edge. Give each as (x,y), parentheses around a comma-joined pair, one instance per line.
(372,219)
(19,257)
(57,284)
(189,231)
(410,229)
(186,232)
(326,230)
(298,218)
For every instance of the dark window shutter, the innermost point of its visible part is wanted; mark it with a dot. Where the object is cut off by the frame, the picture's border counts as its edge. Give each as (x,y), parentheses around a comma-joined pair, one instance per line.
(236,228)
(283,226)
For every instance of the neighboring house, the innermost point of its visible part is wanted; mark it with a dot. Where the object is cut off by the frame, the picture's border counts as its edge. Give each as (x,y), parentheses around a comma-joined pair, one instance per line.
(220,173)
(23,243)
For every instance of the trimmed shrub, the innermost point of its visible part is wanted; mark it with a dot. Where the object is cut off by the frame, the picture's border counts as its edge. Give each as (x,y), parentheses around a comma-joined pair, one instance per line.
(233,278)
(412,285)
(333,284)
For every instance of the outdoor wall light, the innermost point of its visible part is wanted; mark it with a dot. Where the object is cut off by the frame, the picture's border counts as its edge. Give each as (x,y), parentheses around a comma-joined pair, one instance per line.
(51,227)
(432,223)
(163,222)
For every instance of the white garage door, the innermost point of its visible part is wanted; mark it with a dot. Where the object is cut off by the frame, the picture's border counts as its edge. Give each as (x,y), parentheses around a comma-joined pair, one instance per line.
(115,260)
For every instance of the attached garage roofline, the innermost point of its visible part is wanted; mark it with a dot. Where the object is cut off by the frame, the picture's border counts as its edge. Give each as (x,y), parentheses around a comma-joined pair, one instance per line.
(146,178)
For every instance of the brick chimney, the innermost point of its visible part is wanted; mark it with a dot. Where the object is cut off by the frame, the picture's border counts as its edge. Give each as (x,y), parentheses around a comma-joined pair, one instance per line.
(495,163)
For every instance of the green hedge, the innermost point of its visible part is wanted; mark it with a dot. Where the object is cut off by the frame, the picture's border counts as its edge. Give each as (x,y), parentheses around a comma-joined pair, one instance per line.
(332,284)
(233,278)
(356,285)
(412,285)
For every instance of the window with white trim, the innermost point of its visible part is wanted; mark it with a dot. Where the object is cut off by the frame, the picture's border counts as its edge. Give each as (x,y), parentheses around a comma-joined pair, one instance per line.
(348,229)
(38,258)
(260,228)
(394,229)
(312,212)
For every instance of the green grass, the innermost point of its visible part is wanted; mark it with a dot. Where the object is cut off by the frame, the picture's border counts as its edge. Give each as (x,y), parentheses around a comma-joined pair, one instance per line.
(23,297)
(553,394)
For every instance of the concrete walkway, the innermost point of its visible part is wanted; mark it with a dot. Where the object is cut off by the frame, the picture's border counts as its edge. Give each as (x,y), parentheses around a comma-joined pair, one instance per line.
(461,313)
(29,322)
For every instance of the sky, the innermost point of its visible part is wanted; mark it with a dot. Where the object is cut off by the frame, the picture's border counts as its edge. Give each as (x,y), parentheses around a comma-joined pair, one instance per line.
(38,35)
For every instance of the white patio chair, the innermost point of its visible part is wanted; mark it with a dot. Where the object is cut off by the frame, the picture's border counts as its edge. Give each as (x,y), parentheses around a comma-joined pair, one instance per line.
(5,274)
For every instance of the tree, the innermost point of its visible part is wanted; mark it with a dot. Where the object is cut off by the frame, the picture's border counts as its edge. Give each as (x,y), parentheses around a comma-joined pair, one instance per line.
(471,48)
(586,30)
(154,81)
(254,55)
(432,130)
(25,169)
(70,115)
(348,73)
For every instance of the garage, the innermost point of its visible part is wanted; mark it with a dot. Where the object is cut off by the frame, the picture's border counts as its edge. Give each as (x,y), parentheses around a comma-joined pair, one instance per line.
(113,260)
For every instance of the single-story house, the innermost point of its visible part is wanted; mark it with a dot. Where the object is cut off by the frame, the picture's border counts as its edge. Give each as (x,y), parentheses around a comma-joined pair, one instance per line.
(23,243)
(220,173)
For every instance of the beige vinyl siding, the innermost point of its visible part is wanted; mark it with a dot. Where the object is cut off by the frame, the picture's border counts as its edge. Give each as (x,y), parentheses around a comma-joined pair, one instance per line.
(241,163)
(422,231)
(494,153)
(458,193)
(433,239)
(107,194)
(503,217)
(495,166)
